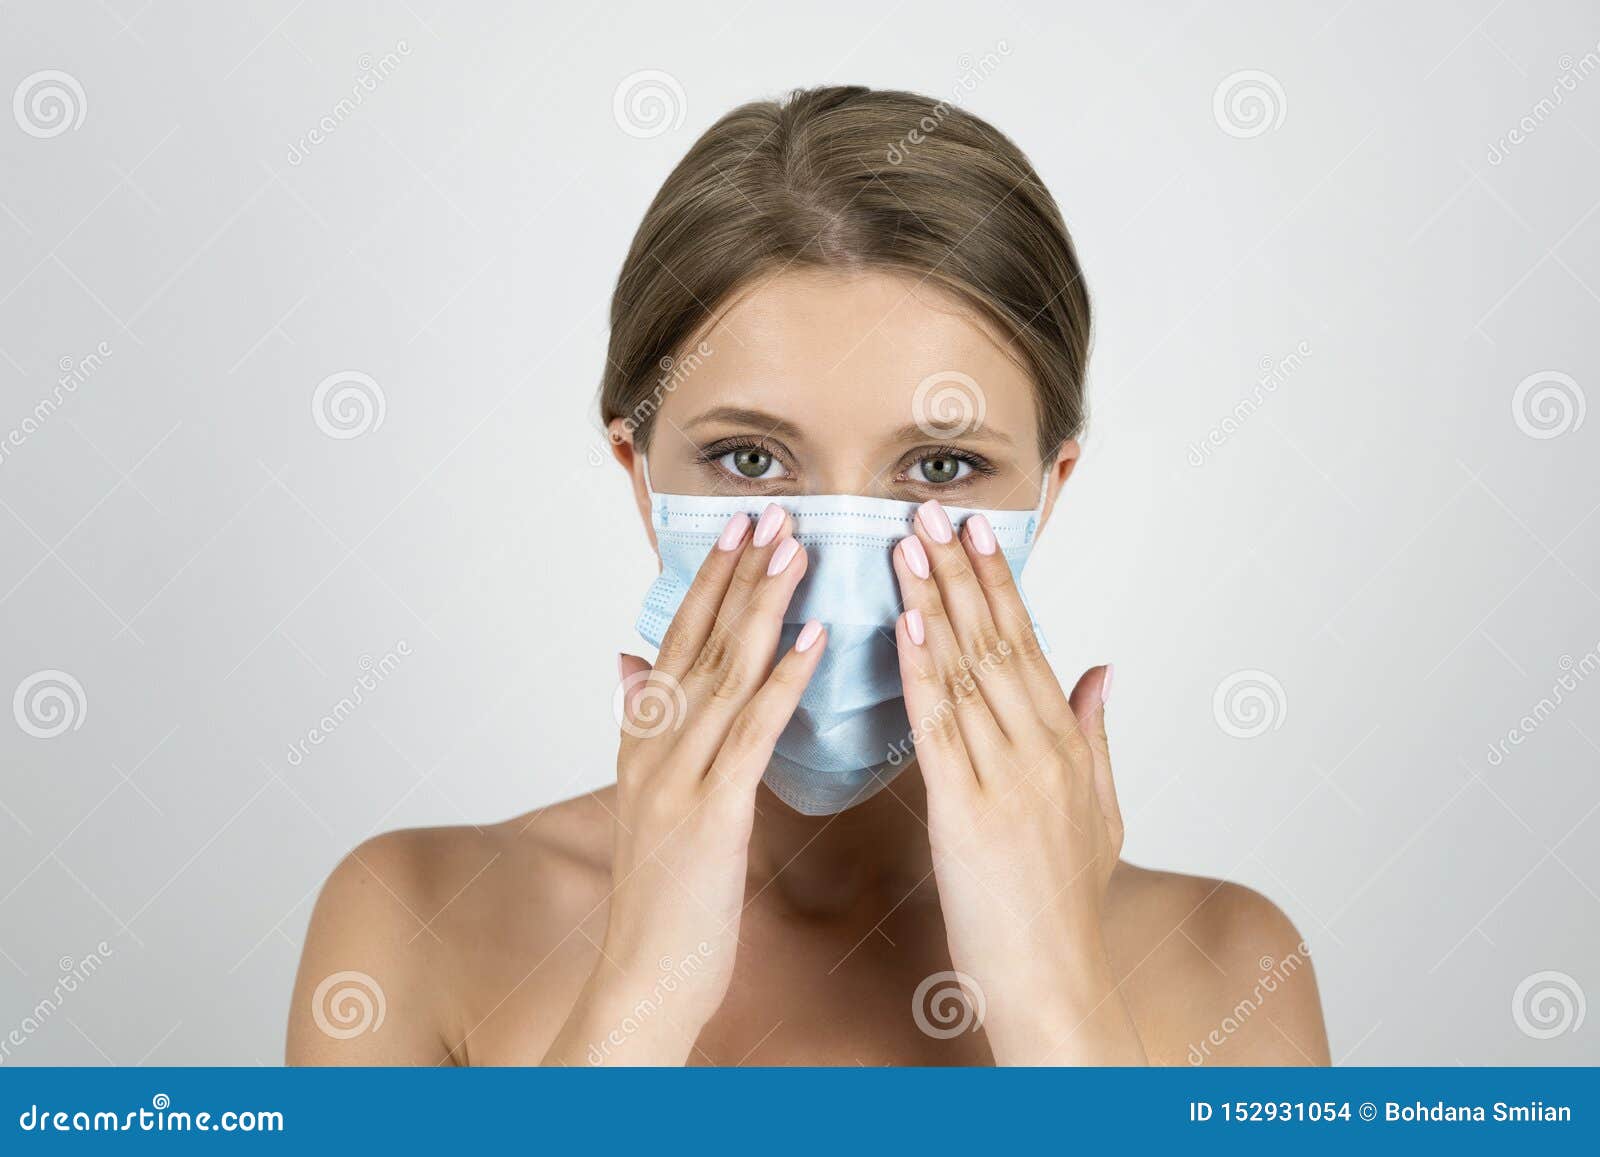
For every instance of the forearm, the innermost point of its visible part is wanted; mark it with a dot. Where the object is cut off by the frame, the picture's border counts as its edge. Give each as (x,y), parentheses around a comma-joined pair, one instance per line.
(618,1023)
(1076,1016)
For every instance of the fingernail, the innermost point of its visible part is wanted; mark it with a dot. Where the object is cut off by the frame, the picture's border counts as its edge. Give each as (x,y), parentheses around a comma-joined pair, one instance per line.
(808,634)
(914,627)
(783,555)
(981,534)
(622,672)
(733,534)
(769,525)
(935,521)
(1105,684)
(916,558)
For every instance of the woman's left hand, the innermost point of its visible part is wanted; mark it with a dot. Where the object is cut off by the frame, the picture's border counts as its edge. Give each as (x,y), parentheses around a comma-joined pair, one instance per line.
(1022,812)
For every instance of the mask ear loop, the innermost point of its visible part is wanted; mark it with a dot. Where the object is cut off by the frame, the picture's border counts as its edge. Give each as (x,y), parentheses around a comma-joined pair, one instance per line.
(1038,509)
(1033,529)
(658,506)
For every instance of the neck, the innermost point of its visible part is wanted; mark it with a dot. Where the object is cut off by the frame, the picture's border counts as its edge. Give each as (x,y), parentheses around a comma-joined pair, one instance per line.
(825,866)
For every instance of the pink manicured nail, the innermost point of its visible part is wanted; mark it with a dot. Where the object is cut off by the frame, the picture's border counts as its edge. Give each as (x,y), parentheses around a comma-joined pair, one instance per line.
(770,523)
(981,534)
(1105,684)
(914,627)
(916,558)
(808,634)
(935,521)
(783,556)
(733,533)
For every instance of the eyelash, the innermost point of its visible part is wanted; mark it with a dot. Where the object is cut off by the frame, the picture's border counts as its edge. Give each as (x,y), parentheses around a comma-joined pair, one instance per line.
(710,455)
(981,466)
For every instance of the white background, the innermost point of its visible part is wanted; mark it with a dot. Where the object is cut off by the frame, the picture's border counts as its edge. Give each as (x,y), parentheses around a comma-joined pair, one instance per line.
(1382,536)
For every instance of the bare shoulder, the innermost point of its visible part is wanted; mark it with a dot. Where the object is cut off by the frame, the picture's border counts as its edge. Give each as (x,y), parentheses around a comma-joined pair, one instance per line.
(411,921)
(1214,971)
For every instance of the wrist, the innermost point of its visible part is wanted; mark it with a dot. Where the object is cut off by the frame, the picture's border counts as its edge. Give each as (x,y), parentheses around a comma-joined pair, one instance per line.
(1066,1013)
(620,1019)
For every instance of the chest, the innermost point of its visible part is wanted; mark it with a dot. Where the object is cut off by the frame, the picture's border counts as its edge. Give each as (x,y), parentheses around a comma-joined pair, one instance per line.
(872,1003)
(872,991)
(802,993)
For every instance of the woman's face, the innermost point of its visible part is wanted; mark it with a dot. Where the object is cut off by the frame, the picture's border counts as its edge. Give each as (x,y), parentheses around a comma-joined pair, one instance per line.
(824,383)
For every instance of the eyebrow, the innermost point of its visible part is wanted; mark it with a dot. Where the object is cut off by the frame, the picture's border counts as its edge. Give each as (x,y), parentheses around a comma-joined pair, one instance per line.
(771,423)
(912,432)
(740,416)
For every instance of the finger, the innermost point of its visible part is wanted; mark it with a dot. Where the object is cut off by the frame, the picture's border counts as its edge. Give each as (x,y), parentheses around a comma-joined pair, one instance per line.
(950,669)
(698,612)
(1089,706)
(739,647)
(647,705)
(744,755)
(1000,681)
(632,671)
(935,734)
(1014,623)
(738,653)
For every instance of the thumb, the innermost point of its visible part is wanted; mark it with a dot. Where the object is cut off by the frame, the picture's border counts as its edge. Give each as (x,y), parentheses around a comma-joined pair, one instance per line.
(631,671)
(1089,705)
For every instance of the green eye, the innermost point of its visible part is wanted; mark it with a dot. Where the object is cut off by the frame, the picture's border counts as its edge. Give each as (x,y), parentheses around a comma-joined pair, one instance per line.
(941,468)
(751,462)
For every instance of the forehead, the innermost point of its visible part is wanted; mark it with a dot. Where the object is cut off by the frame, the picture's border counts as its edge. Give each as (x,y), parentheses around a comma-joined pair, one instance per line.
(825,348)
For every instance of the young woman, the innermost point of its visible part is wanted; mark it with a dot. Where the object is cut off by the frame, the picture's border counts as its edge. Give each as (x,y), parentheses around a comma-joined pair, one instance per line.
(875,333)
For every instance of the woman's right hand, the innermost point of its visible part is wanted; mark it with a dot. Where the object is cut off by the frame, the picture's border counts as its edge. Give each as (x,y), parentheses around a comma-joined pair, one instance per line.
(697,733)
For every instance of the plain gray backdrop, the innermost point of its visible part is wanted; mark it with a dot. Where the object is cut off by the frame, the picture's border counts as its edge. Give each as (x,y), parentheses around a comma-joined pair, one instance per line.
(1354,609)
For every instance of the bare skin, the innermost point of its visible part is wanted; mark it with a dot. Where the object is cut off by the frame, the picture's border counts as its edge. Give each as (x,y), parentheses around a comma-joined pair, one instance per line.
(687,915)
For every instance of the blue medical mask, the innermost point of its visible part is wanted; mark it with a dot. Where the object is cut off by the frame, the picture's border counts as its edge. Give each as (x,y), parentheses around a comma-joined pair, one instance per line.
(850,735)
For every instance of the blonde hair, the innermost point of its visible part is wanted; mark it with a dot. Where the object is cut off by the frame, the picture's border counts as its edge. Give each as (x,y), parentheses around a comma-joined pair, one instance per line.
(852,178)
